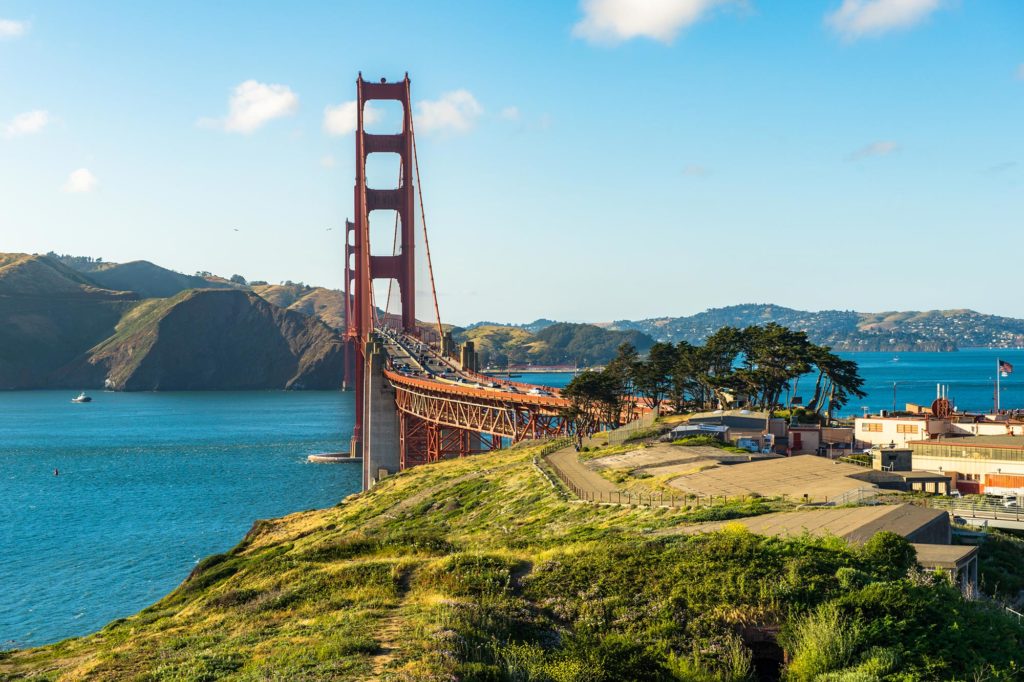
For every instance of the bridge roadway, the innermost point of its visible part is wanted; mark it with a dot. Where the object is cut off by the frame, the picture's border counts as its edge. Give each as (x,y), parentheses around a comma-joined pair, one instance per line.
(445,410)
(411,357)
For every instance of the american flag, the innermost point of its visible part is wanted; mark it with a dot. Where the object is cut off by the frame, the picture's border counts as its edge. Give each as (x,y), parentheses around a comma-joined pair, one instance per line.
(1005,368)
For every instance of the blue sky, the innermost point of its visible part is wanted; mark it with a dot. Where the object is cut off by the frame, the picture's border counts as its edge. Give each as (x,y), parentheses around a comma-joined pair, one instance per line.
(593,161)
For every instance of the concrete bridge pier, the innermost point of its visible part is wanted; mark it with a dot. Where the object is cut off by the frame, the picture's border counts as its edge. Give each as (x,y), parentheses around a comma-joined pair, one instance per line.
(381,451)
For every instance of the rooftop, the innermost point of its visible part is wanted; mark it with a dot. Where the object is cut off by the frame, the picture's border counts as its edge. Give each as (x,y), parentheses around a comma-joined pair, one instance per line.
(1009,442)
(853,524)
(948,557)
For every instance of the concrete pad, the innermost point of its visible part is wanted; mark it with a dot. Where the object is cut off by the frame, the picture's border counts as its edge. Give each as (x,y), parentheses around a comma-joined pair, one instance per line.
(853,524)
(819,478)
(657,455)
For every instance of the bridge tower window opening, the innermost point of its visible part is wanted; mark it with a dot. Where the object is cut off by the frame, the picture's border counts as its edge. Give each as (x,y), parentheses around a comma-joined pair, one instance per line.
(383,117)
(383,170)
(387,299)
(384,224)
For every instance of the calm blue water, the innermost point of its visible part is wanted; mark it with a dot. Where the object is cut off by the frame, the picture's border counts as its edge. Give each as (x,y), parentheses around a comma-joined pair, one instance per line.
(969,373)
(149,483)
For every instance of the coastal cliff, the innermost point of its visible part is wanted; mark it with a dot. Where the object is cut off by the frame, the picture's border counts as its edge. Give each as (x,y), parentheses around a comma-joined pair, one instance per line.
(218,338)
(61,329)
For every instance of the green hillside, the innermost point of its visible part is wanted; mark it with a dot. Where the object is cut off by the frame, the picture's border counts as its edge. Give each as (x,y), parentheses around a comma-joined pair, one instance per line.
(62,330)
(480,570)
(557,343)
(223,339)
(149,280)
(51,316)
(327,304)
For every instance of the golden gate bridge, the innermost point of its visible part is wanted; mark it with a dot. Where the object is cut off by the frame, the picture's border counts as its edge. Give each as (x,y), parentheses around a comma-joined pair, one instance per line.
(417,403)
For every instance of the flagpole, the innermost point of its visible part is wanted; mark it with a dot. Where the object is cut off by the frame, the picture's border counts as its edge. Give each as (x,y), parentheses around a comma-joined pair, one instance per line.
(998,373)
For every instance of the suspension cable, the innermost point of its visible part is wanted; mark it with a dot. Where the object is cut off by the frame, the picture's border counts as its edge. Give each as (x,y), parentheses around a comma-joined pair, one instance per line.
(423,219)
(394,246)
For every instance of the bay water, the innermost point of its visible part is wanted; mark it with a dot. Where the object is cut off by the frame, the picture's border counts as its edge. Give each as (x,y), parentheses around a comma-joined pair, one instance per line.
(148,484)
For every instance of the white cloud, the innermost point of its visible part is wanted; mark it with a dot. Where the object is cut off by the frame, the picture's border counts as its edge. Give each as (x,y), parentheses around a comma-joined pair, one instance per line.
(456,111)
(858,18)
(328,161)
(252,105)
(696,171)
(12,29)
(614,21)
(510,113)
(80,182)
(880,148)
(27,123)
(342,119)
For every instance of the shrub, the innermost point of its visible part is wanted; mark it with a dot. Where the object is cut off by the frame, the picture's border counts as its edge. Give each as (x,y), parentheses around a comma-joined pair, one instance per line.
(889,554)
(823,641)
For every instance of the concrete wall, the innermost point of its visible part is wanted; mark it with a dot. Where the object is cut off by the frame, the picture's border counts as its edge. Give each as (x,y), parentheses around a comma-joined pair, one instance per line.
(936,532)
(381,448)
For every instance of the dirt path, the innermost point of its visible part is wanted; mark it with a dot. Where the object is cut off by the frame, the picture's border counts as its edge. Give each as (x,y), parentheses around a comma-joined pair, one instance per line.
(568,462)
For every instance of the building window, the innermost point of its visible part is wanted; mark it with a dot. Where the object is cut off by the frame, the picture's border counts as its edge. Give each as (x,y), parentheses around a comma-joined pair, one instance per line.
(873,427)
(906,428)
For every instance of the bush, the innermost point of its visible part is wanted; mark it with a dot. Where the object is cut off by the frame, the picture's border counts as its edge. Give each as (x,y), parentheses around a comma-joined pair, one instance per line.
(824,641)
(891,555)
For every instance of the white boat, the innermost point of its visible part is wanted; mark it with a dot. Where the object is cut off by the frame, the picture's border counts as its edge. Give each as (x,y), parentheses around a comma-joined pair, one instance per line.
(82,398)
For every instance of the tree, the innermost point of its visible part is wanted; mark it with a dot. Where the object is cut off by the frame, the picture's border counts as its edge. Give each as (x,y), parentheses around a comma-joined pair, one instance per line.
(238,279)
(653,377)
(596,400)
(837,381)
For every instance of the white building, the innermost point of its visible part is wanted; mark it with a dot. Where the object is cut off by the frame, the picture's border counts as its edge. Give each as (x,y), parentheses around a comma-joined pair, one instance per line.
(902,429)
(977,464)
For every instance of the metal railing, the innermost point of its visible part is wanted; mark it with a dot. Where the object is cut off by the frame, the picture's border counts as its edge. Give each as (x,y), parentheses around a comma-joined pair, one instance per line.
(976,509)
(854,496)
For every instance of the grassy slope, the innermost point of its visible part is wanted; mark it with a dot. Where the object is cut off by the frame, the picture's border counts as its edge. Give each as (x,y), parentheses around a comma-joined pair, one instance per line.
(30,275)
(327,304)
(142,323)
(150,280)
(454,571)
(51,316)
(495,338)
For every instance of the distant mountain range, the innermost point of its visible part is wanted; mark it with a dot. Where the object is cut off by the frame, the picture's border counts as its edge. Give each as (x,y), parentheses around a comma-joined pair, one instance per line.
(75,322)
(932,330)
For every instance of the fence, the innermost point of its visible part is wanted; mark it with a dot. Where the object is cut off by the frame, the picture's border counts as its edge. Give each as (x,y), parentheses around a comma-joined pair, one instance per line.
(627,431)
(855,496)
(976,509)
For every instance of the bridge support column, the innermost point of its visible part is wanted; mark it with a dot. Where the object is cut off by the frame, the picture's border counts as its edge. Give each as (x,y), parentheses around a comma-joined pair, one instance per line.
(381,445)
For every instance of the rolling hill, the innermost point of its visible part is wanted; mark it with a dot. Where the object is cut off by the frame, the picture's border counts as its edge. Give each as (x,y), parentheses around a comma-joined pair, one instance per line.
(558,343)
(224,339)
(146,279)
(933,330)
(61,329)
(50,316)
(327,304)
